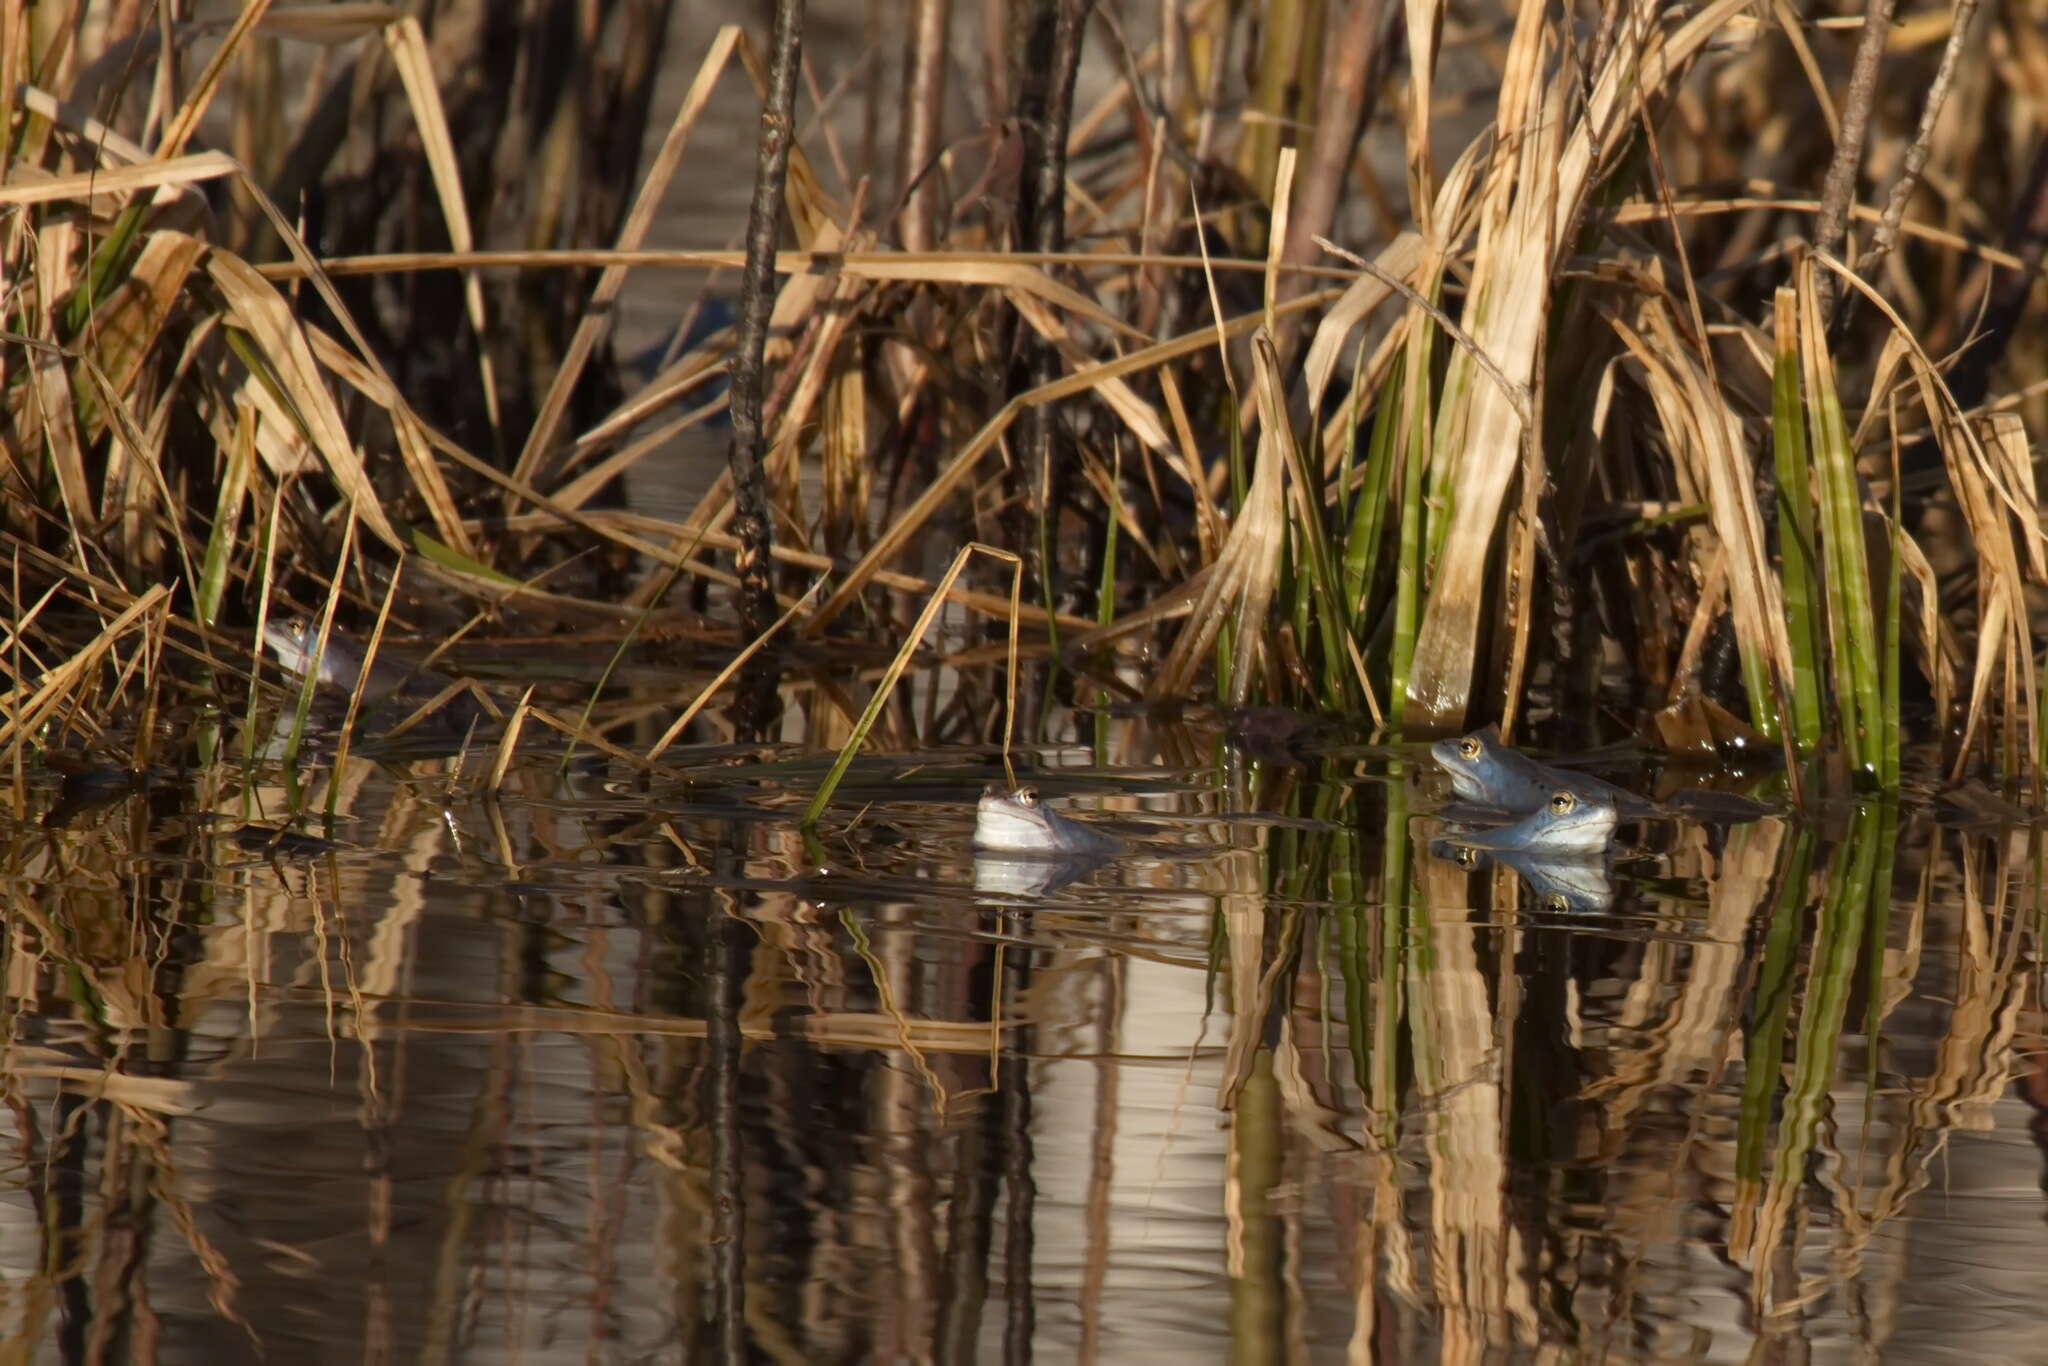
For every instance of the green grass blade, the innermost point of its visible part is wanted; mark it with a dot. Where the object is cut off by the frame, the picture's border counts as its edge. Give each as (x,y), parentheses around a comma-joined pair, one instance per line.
(1799,571)
(227,515)
(887,683)
(1839,934)
(1369,506)
(1408,585)
(1894,647)
(1850,624)
(1776,978)
(112,254)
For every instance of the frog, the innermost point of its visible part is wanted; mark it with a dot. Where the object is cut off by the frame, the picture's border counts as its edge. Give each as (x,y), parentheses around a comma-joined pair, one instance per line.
(1571,823)
(1017,821)
(1487,773)
(296,641)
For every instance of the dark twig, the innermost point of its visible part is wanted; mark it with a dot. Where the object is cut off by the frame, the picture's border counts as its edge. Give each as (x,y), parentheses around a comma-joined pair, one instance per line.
(1915,162)
(1840,188)
(1051,53)
(727,958)
(744,457)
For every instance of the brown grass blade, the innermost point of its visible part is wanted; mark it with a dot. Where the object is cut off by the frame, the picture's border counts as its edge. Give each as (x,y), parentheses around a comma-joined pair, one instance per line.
(1706,436)
(1141,417)
(23,189)
(508,744)
(913,518)
(1240,584)
(727,674)
(25,715)
(1480,430)
(276,331)
(185,122)
(343,22)
(107,142)
(1425,26)
(1398,259)
(49,404)
(125,327)
(2011,462)
(1021,269)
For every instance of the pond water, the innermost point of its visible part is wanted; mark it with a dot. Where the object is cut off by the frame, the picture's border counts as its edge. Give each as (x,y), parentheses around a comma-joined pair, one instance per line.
(613,1063)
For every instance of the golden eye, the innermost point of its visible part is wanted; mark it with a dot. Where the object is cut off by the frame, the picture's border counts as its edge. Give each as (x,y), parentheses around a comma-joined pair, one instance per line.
(1025,796)
(1561,803)
(1558,902)
(1468,748)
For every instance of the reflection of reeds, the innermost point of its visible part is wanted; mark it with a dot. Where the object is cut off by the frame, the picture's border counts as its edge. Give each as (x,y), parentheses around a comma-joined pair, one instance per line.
(1855,892)
(1421,1002)
(1575,341)
(1484,1105)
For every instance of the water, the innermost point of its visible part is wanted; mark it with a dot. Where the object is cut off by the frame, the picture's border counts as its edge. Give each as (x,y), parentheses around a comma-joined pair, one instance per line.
(613,1065)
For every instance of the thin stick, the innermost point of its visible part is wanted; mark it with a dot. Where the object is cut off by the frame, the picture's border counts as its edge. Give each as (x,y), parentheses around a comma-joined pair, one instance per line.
(1887,235)
(748,451)
(1840,187)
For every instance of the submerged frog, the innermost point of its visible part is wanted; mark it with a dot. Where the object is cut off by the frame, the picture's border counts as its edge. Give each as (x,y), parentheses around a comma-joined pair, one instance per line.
(295,640)
(443,710)
(1571,823)
(1489,773)
(1017,822)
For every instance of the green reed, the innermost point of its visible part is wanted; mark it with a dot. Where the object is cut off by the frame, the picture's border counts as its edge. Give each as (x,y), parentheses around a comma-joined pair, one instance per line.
(1798,567)
(1851,624)
(1770,1003)
(1362,544)
(1858,876)
(1408,568)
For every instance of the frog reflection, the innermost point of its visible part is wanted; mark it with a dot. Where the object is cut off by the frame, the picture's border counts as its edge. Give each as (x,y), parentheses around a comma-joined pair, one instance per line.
(1561,886)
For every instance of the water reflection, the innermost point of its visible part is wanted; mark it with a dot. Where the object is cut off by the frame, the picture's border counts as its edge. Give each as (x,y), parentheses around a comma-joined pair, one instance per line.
(607,1067)
(1565,885)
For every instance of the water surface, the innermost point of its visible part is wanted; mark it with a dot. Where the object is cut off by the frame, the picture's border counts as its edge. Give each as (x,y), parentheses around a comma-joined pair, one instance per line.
(613,1064)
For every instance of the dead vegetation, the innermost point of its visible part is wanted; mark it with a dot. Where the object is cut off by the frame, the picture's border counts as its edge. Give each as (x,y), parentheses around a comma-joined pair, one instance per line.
(1588,425)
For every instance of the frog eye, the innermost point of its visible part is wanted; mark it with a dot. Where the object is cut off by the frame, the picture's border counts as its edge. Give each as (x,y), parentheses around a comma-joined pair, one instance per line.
(1025,796)
(1562,803)
(1468,748)
(1557,901)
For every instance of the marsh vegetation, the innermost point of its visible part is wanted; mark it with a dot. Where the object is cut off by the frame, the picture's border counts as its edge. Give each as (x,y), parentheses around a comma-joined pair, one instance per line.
(1195,406)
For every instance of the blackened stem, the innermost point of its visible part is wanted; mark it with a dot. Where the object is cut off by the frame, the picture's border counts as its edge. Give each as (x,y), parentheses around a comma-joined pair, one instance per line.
(751,525)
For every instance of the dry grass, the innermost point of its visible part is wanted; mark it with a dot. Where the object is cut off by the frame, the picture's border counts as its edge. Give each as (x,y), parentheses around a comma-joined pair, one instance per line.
(197,400)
